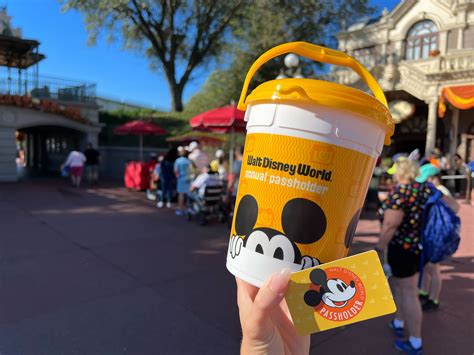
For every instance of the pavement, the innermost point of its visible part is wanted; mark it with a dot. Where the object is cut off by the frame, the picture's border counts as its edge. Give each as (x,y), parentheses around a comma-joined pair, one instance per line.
(103,271)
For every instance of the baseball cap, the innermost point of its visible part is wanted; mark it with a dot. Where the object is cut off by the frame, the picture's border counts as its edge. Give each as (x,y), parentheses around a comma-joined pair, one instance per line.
(427,171)
(393,169)
(220,153)
(193,145)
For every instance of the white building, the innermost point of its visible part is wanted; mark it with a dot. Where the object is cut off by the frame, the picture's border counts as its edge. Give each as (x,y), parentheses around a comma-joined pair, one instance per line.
(421,52)
(41,118)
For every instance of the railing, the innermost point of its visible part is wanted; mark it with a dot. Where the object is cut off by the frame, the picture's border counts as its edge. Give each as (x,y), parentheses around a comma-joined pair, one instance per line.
(46,87)
(455,63)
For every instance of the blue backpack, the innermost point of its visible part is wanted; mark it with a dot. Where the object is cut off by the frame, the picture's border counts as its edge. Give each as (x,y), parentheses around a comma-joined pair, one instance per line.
(440,235)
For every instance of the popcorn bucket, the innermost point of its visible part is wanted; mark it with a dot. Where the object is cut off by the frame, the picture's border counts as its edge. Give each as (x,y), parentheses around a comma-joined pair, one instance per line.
(309,155)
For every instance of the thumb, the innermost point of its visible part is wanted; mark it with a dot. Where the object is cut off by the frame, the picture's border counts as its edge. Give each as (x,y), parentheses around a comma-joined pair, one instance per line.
(259,323)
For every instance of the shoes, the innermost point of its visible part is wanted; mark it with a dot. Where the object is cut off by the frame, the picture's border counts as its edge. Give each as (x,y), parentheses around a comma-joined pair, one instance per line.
(179,212)
(423,296)
(399,332)
(159,204)
(150,195)
(406,347)
(430,305)
(168,204)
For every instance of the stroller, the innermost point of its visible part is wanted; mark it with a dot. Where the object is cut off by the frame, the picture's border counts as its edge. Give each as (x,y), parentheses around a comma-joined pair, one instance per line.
(208,205)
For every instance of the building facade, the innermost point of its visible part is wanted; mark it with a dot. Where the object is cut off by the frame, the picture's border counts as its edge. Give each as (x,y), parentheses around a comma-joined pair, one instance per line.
(422,55)
(42,118)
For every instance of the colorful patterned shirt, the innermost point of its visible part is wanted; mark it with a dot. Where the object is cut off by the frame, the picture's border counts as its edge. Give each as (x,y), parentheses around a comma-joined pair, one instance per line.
(411,199)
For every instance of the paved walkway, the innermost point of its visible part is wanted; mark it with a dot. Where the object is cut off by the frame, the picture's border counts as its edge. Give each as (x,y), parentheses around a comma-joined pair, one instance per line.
(102,271)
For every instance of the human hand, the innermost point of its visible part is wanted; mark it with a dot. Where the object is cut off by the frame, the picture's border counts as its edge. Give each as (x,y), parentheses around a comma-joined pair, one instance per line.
(266,324)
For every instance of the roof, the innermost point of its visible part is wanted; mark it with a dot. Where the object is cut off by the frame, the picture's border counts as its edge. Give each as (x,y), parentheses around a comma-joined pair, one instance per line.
(364,22)
(19,53)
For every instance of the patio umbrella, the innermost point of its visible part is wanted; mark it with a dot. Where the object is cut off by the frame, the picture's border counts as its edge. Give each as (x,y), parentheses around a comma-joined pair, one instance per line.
(140,128)
(227,119)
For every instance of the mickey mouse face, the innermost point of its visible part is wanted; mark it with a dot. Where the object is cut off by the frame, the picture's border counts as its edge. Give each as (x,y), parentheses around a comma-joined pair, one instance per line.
(338,293)
(333,292)
(303,222)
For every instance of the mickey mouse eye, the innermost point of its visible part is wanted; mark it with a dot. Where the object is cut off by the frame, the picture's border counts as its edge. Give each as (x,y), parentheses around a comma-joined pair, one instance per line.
(340,287)
(280,247)
(258,242)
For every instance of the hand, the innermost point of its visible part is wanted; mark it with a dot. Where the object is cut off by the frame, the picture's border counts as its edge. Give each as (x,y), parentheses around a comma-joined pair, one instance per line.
(267,327)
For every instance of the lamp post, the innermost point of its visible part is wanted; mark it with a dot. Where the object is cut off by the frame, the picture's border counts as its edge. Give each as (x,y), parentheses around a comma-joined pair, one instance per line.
(292,70)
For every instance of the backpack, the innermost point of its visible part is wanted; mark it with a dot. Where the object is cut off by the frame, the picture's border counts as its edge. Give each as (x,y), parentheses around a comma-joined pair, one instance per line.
(440,234)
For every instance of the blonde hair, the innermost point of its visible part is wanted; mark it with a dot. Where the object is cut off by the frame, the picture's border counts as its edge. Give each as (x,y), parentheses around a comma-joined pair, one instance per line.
(407,170)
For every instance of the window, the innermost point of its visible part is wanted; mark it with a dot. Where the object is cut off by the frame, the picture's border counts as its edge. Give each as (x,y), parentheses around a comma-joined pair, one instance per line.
(366,56)
(421,39)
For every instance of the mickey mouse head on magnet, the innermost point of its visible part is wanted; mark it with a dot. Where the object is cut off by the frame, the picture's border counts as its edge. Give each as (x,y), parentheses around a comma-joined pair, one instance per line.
(303,222)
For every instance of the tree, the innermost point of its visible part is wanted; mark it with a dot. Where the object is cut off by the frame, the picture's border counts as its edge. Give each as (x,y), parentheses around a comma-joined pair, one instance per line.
(180,35)
(266,24)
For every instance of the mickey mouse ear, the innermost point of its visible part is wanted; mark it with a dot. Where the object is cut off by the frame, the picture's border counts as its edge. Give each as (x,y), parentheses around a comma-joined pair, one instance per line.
(312,298)
(246,216)
(318,277)
(303,221)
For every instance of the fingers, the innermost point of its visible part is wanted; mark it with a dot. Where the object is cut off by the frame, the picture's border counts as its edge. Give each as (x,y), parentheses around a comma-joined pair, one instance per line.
(259,325)
(245,295)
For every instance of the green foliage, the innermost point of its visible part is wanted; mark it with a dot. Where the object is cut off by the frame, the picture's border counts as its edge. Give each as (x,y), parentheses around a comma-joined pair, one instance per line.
(172,34)
(173,122)
(268,23)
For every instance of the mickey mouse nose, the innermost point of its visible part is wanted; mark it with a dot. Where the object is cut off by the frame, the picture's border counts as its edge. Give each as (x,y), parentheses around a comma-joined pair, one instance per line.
(352,284)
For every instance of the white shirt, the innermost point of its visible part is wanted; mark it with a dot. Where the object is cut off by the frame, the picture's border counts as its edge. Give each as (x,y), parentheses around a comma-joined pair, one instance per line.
(75,158)
(204,180)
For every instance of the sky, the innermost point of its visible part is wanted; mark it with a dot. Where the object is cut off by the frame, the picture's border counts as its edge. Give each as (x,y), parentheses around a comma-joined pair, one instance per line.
(119,74)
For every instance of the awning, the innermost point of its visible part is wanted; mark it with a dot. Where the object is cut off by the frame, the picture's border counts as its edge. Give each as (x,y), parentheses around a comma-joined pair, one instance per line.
(461,97)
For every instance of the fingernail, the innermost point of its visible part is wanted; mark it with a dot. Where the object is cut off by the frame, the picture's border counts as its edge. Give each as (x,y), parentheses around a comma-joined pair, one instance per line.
(279,282)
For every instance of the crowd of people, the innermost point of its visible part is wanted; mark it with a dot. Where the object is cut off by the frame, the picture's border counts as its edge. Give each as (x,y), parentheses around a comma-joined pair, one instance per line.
(183,174)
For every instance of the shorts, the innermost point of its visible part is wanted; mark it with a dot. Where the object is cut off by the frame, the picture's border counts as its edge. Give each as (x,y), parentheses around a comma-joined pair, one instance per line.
(183,186)
(404,263)
(76,170)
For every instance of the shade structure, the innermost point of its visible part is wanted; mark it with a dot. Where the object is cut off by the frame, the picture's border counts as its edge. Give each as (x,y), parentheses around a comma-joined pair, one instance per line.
(220,120)
(461,97)
(140,128)
(226,119)
(204,138)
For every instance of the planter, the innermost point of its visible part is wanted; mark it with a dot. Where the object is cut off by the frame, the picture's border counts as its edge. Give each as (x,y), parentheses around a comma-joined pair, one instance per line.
(434,53)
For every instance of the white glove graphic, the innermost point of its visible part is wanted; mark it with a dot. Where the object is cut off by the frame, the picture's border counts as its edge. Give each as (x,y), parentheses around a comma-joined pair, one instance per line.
(235,245)
(309,261)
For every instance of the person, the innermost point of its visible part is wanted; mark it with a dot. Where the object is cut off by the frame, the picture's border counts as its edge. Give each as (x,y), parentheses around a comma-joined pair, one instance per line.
(459,169)
(198,157)
(236,166)
(183,171)
(219,165)
(92,164)
(154,188)
(432,282)
(265,320)
(206,178)
(167,179)
(75,161)
(401,214)
(432,157)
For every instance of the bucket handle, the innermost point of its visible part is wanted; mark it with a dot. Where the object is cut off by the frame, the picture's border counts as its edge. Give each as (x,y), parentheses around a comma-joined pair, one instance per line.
(316,53)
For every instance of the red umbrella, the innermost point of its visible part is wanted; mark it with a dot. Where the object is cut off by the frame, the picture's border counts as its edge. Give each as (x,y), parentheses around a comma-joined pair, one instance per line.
(220,120)
(140,128)
(227,119)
